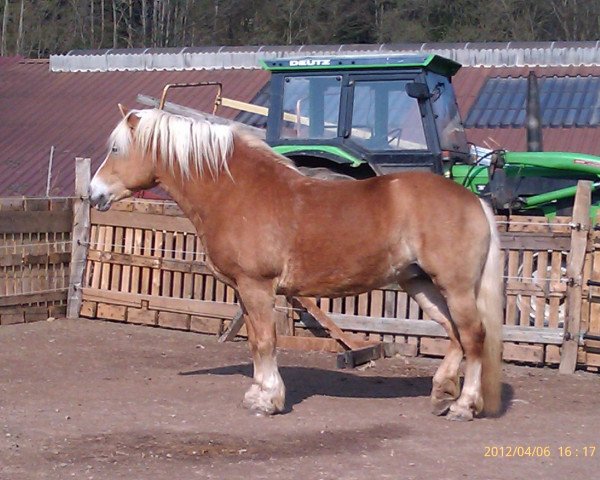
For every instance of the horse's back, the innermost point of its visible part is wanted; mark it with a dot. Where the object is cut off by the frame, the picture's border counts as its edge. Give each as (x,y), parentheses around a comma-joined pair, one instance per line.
(359,235)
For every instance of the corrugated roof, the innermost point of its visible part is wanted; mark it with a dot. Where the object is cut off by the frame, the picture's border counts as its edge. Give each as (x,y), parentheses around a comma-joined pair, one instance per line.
(570,101)
(75,112)
(190,58)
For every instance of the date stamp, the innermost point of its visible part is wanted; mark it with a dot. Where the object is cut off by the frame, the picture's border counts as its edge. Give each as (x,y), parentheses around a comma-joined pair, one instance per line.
(539,451)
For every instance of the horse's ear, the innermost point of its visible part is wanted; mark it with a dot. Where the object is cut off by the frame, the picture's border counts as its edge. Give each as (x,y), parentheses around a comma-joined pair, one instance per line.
(123,109)
(133,120)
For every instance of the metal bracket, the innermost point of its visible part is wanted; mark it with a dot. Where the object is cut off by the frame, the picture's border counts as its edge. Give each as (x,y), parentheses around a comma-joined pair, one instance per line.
(169,86)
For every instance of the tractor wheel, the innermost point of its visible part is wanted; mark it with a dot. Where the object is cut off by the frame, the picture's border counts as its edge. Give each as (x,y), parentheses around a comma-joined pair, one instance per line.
(323,173)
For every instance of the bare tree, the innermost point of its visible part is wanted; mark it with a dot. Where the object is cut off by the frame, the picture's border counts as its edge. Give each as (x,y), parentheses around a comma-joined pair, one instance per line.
(3,50)
(20,33)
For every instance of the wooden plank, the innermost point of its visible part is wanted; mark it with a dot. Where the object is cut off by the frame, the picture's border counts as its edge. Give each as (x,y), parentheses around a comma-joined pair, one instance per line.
(167,275)
(177,276)
(206,325)
(136,271)
(179,321)
(177,305)
(523,353)
(555,280)
(537,224)
(511,300)
(533,241)
(540,301)
(236,325)
(35,222)
(146,286)
(143,221)
(335,331)
(115,277)
(430,328)
(157,253)
(26,298)
(142,316)
(24,259)
(107,267)
(188,258)
(88,309)
(99,245)
(126,268)
(579,237)
(524,300)
(112,312)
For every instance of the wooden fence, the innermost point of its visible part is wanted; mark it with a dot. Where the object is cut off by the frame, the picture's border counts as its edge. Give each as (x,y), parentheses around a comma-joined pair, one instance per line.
(142,263)
(35,252)
(146,265)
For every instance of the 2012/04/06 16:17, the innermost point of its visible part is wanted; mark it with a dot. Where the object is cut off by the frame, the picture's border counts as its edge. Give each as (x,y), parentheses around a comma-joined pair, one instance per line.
(543,451)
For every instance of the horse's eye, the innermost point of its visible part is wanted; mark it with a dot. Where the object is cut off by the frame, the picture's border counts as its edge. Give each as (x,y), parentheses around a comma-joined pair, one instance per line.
(114,149)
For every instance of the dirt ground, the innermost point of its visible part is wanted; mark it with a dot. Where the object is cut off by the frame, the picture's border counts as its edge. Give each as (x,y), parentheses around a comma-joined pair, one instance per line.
(93,400)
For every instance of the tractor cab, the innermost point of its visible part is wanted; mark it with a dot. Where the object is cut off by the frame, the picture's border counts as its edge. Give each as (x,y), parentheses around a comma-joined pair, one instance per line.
(364,116)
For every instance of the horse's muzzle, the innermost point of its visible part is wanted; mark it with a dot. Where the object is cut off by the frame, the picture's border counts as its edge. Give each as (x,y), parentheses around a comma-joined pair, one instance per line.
(100,201)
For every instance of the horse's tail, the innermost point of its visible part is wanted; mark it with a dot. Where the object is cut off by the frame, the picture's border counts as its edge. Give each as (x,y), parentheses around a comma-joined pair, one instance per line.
(490,307)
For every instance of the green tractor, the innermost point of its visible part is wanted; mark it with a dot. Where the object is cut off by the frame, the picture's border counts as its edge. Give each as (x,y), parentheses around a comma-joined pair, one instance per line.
(361,116)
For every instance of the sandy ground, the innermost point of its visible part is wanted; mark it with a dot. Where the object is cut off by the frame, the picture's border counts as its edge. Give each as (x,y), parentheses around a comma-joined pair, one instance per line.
(94,400)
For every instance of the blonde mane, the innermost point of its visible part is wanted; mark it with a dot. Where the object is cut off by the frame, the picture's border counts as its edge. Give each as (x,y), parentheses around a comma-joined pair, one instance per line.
(186,142)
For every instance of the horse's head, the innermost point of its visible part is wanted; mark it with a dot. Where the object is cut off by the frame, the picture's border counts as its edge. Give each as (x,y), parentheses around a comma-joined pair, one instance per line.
(126,169)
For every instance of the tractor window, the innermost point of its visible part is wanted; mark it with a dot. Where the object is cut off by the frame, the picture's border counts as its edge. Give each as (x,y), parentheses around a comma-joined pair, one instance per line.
(384,117)
(311,107)
(448,122)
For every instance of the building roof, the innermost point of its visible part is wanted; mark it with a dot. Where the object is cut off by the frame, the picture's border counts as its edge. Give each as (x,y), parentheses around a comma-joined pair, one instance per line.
(468,83)
(472,54)
(75,111)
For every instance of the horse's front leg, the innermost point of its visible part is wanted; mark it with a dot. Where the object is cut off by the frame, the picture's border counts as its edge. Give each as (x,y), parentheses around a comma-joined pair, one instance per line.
(267,394)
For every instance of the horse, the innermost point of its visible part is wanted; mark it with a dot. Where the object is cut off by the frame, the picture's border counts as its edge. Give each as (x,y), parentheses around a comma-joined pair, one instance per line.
(268,230)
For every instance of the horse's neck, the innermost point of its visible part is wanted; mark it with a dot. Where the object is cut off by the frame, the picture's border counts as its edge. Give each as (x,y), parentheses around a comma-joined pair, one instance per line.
(201,198)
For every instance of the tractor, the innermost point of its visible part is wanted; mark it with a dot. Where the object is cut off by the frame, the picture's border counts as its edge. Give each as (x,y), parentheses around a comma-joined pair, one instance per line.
(360,116)
(343,117)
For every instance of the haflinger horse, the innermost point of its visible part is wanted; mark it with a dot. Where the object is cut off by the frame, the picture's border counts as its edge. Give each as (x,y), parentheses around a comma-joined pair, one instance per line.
(268,230)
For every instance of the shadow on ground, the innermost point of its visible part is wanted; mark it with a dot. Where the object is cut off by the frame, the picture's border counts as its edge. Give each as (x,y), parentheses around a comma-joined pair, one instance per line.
(303,382)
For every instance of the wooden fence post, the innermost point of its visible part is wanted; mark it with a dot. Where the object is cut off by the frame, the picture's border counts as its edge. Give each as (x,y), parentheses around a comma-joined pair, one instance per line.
(80,236)
(576,258)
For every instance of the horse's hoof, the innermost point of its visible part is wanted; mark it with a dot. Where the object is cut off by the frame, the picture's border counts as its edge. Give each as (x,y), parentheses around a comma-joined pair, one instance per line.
(459,415)
(440,407)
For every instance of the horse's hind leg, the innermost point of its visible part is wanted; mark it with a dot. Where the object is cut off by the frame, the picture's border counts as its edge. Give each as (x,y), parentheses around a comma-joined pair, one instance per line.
(267,394)
(446,387)
(463,308)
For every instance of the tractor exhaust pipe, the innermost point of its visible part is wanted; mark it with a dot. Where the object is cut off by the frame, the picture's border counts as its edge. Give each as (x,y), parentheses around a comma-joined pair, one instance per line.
(533,116)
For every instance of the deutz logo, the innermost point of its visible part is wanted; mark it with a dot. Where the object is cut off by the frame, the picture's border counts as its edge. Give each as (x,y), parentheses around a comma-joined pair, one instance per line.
(309,62)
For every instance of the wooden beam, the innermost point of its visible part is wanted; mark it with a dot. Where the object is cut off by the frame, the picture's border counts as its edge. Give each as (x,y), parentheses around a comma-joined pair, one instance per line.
(22,259)
(35,222)
(169,264)
(576,259)
(190,112)
(236,325)
(168,304)
(80,235)
(430,328)
(39,297)
(335,331)
(534,241)
(142,220)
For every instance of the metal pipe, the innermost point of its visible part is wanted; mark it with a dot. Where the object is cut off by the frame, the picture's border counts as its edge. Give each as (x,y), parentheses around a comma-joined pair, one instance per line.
(533,116)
